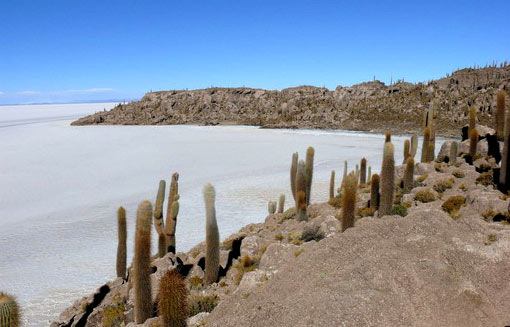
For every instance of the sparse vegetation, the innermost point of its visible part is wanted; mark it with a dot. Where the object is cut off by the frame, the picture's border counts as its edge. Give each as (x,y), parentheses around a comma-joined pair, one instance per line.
(444,184)
(458,173)
(202,303)
(311,233)
(426,195)
(485,179)
(453,203)
(399,210)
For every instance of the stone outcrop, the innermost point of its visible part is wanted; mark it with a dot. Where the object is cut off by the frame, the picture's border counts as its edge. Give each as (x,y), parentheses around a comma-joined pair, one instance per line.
(370,106)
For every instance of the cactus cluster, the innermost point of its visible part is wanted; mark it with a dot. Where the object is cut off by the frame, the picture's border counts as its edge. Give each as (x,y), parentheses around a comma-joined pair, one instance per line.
(9,311)
(301,176)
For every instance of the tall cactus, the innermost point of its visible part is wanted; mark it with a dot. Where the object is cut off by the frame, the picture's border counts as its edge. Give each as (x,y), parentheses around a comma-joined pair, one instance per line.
(171,221)
(122,245)
(500,116)
(301,206)
(212,236)
(363,171)
(9,311)
(281,203)
(414,146)
(453,152)
(472,119)
(310,153)
(387,180)
(409,175)
(173,300)
(293,170)
(426,145)
(473,142)
(142,264)
(407,150)
(349,201)
(159,223)
(374,192)
(504,175)
(369,174)
(332,185)
(162,247)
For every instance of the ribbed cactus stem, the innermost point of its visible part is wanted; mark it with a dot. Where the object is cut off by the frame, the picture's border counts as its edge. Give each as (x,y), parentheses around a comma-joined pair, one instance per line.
(173,300)
(407,150)
(387,180)
(473,142)
(281,203)
(349,201)
(170,223)
(9,311)
(170,232)
(271,207)
(142,264)
(453,152)
(212,236)
(369,174)
(409,175)
(374,192)
(432,147)
(414,146)
(301,206)
(122,242)
(158,208)
(293,170)
(426,145)
(332,185)
(500,116)
(472,118)
(310,153)
(363,171)
(162,247)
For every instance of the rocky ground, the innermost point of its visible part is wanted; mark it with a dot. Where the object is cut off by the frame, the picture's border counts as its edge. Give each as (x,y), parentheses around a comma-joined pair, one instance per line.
(370,106)
(442,260)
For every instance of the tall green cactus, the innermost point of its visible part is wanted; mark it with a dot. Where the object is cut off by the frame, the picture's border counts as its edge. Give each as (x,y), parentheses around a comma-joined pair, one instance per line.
(349,201)
(293,170)
(414,146)
(407,150)
(409,175)
(162,247)
(426,145)
(500,116)
(9,311)
(473,142)
(453,152)
(332,185)
(121,245)
(158,208)
(363,172)
(171,221)
(173,300)
(301,206)
(374,192)
(310,153)
(281,203)
(142,264)
(387,180)
(212,236)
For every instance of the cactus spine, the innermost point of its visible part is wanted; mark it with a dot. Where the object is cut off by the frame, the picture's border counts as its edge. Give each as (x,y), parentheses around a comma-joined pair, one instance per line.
(310,153)
(212,236)
(363,171)
(453,152)
(332,185)
(293,170)
(426,145)
(173,300)
(171,220)
(281,203)
(121,246)
(374,192)
(473,142)
(414,146)
(9,311)
(271,207)
(387,180)
(409,175)
(500,116)
(142,264)
(407,150)
(301,206)
(349,201)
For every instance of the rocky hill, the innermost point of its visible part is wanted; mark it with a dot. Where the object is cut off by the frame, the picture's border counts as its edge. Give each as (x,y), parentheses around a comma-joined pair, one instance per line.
(370,106)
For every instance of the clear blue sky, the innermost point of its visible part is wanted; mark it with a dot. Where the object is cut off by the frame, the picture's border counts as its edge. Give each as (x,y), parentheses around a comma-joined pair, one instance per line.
(70,50)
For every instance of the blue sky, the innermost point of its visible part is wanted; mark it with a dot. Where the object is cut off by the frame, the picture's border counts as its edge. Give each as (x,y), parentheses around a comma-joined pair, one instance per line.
(60,51)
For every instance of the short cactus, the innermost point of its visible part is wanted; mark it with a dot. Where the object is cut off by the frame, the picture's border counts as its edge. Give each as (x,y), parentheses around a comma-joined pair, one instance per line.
(374,192)
(293,170)
(173,300)
(332,185)
(310,153)
(301,206)
(349,201)
(500,116)
(409,175)
(473,142)
(407,150)
(453,152)
(281,203)
(426,145)
(363,171)
(271,207)
(142,264)
(121,246)
(387,180)
(171,221)
(9,311)
(212,236)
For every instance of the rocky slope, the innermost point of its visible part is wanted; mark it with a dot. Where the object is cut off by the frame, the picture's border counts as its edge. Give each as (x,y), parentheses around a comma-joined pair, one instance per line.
(371,106)
(438,264)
